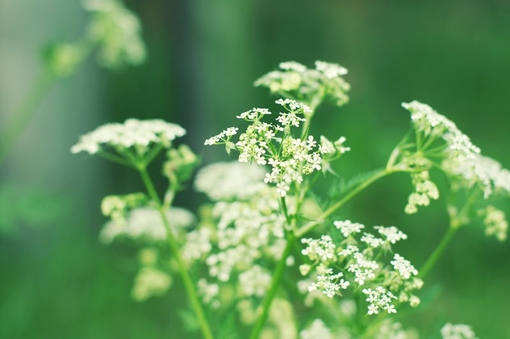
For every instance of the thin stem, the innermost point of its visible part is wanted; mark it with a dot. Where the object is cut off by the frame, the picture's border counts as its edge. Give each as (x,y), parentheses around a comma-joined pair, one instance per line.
(174,247)
(311,225)
(438,252)
(455,223)
(277,277)
(24,112)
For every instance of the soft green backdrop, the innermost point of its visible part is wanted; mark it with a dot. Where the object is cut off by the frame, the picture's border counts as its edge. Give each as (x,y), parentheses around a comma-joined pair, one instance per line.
(57,281)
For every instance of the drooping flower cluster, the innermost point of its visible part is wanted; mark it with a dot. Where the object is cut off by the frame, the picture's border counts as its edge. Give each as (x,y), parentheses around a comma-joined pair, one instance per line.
(495,222)
(294,80)
(139,134)
(424,190)
(358,266)
(290,158)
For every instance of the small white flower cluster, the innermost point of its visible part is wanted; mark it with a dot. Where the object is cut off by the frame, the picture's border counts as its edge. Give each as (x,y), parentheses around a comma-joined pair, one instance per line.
(379,298)
(117,31)
(254,281)
(458,331)
(336,147)
(403,266)
(209,292)
(290,158)
(150,282)
(308,85)
(242,230)
(328,282)
(230,180)
(360,268)
(393,330)
(495,222)
(424,190)
(224,136)
(317,329)
(433,124)
(145,223)
(479,170)
(132,133)
(462,159)
(348,227)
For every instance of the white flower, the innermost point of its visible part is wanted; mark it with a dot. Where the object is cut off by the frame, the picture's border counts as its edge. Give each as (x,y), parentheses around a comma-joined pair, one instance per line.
(322,250)
(117,32)
(330,70)
(347,227)
(392,234)
(209,292)
(230,180)
(131,133)
(495,222)
(255,281)
(459,331)
(145,223)
(150,282)
(404,267)
(316,330)
(379,298)
(428,121)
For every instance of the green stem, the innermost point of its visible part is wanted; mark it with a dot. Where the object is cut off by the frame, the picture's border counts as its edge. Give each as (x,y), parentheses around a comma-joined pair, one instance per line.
(438,252)
(174,247)
(24,112)
(277,277)
(311,225)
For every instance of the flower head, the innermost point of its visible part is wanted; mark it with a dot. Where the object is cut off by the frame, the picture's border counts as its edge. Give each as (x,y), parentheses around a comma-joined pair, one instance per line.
(132,133)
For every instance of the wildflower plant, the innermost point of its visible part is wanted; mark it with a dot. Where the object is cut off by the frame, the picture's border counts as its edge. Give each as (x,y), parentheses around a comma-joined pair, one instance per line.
(267,246)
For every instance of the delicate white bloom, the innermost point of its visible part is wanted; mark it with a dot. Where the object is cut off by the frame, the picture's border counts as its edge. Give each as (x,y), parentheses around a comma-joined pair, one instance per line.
(117,31)
(223,137)
(460,331)
(348,227)
(230,180)
(294,106)
(325,81)
(316,330)
(198,243)
(390,330)
(403,266)
(329,283)
(131,133)
(392,234)
(479,170)
(495,222)
(146,223)
(150,282)
(379,298)
(293,66)
(371,240)
(330,70)
(424,190)
(428,121)
(319,250)
(363,268)
(255,281)
(209,292)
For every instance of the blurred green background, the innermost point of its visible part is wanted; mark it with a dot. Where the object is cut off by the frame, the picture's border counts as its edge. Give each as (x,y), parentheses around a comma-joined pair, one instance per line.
(57,281)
